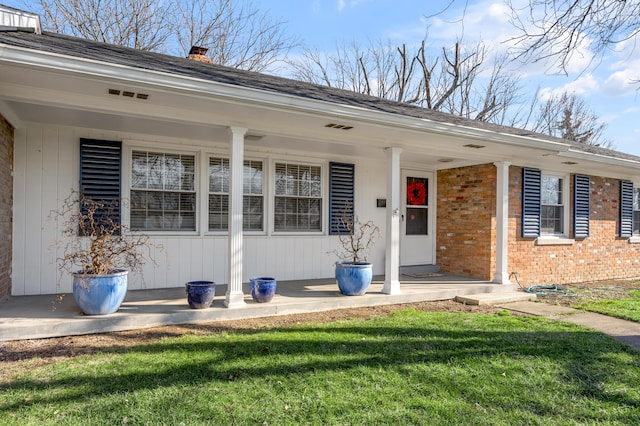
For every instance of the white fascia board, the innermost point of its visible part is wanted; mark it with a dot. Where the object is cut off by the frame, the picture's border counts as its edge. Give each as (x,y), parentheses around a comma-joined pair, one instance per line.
(245,95)
(599,158)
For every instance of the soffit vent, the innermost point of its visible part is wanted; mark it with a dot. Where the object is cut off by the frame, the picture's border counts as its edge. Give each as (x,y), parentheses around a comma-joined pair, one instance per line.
(570,163)
(338,126)
(474,146)
(128,94)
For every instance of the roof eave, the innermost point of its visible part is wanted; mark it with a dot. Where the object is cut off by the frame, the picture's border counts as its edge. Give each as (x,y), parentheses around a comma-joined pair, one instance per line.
(281,101)
(599,158)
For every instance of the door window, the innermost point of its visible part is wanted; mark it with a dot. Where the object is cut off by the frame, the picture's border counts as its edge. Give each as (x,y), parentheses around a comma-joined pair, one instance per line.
(417,202)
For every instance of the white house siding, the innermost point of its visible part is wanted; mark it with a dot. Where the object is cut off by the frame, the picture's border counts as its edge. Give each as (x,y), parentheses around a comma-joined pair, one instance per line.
(47,168)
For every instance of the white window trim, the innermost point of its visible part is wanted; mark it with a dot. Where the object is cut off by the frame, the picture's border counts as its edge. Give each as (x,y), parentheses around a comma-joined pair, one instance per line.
(635,237)
(554,240)
(566,213)
(324,166)
(127,158)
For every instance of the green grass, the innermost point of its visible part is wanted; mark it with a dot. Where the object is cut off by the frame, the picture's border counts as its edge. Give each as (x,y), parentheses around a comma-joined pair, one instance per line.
(410,368)
(626,308)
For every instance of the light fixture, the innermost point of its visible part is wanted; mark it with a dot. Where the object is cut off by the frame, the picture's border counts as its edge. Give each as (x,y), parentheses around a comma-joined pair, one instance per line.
(446,160)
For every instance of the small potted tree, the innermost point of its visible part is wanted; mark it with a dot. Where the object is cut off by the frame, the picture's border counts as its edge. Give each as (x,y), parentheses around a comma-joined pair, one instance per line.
(353,271)
(99,252)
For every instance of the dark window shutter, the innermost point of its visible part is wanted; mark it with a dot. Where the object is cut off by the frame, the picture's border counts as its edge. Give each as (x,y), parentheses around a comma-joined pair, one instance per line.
(100,174)
(626,208)
(531,189)
(581,208)
(341,189)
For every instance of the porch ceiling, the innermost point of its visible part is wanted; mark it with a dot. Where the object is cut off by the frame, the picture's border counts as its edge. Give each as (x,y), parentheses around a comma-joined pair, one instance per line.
(32,94)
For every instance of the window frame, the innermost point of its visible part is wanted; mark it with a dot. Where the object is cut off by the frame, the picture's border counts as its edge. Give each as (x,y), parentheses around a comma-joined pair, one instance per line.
(205,198)
(201,185)
(566,205)
(127,180)
(272,196)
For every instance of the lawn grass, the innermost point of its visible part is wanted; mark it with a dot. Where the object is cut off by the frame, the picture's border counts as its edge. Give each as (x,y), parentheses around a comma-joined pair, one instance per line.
(411,367)
(626,308)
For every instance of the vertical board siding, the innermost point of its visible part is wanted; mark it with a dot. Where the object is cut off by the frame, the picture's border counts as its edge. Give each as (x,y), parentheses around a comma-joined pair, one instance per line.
(531,190)
(34,213)
(50,173)
(19,207)
(47,168)
(626,208)
(581,206)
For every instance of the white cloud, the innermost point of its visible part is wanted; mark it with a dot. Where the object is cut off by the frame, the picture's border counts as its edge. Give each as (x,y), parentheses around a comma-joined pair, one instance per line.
(583,86)
(625,81)
(343,4)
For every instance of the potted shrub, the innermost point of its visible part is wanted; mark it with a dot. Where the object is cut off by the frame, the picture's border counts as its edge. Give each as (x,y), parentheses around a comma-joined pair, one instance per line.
(99,252)
(353,272)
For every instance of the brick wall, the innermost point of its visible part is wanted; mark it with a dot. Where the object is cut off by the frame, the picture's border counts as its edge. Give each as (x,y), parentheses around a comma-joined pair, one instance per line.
(465,238)
(600,256)
(6,203)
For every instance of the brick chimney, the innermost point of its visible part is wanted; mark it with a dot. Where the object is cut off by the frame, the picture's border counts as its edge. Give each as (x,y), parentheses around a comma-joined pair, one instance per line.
(198,54)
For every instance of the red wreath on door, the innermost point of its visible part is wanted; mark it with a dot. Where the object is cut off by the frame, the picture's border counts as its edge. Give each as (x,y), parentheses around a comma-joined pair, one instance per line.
(416,193)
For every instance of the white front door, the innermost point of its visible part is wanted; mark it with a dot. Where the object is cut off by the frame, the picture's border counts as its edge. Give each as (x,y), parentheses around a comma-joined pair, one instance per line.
(417,218)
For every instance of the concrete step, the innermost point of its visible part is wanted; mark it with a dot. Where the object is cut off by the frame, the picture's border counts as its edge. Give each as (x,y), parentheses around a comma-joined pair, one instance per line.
(419,269)
(494,298)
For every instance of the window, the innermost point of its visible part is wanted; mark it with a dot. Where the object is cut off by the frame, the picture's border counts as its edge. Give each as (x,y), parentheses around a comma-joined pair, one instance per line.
(544,206)
(163,196)
(252,201)
(298,197)
(552,205)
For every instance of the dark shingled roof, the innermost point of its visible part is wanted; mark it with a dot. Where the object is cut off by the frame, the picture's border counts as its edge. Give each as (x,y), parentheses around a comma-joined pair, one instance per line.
(108,53)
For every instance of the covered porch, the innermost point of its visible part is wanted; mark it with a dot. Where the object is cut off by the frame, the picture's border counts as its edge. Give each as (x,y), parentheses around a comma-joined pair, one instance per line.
(44,316)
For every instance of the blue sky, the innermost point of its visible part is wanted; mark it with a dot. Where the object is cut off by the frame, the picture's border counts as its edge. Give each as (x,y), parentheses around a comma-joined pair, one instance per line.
(607,89)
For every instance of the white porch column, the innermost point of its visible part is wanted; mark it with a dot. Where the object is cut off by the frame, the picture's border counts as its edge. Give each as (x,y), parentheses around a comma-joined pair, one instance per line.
(392,252)
(501,275)
(235,297)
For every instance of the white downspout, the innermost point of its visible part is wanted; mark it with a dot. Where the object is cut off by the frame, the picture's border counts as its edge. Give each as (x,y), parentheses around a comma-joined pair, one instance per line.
(392,237)
(235,297)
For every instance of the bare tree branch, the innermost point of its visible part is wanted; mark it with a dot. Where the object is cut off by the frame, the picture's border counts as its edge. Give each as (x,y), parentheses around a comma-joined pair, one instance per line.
(236,33)
(568,117)
(557,29)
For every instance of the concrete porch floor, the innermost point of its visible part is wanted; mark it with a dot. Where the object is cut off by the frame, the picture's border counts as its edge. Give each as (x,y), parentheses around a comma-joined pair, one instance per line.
(32,317)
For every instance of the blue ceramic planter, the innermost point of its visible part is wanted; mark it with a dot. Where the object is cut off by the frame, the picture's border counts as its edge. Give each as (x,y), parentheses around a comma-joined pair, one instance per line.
(200,294)
(353,278)
(100,294)
(263,289)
